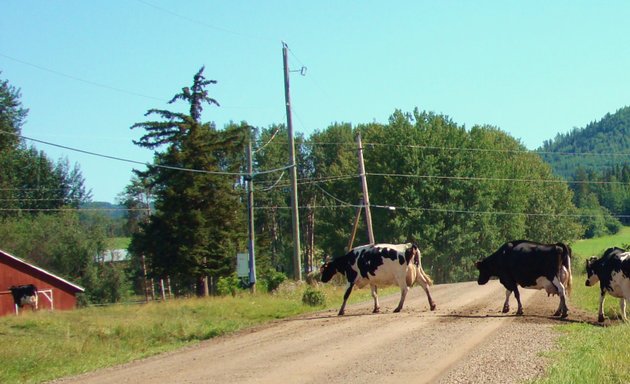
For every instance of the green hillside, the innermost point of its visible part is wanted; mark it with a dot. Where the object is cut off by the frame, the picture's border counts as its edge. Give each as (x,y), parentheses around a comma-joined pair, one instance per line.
(598,146)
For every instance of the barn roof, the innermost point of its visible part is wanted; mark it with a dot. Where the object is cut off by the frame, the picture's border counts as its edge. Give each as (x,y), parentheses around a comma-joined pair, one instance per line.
(7,255)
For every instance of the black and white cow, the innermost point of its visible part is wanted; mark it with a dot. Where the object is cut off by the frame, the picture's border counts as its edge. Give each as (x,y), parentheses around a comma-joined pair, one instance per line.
(24,295)
(612,271)
(379,265)
(530,265)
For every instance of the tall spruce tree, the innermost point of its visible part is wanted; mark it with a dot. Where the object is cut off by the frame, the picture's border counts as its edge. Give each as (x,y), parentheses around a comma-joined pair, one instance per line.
(197,225)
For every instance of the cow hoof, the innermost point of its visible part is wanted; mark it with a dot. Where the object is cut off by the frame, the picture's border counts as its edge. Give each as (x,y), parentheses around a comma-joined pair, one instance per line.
(397,310)
(600,319)
(564,315)
(376,310)
(433,306)
(506,309)
(519,313)
(557,313)
(340,313)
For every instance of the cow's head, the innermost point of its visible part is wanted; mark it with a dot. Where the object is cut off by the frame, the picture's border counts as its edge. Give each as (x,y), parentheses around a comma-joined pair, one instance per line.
(488,266)
(591,275)
(327,270)
(484,272)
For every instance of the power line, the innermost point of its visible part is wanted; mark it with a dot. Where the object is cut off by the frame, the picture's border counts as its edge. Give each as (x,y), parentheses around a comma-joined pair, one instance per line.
(203,24)
(369,145)
(120,90)
(473,178)
(147,164)
(441,210)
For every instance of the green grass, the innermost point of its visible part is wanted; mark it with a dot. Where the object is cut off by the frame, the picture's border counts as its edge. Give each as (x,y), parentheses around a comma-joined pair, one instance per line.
(589,353)
(596,247)
(118,242)
(41,346)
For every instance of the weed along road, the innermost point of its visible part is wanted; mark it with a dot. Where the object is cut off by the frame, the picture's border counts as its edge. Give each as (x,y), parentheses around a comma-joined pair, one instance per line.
(466,340)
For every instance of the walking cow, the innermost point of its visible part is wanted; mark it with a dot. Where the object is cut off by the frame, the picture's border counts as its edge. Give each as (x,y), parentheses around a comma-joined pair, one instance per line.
(612,271)
(530,265)
(378,265)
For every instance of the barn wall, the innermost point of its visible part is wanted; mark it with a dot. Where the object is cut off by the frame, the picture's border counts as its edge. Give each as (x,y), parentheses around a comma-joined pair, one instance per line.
(15,273)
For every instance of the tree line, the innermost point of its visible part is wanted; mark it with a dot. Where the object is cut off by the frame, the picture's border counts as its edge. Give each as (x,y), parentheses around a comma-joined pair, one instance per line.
(458,193)
(596,160)
(39,220)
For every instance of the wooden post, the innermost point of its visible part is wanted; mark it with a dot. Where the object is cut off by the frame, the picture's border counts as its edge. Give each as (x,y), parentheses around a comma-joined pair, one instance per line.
(162,289)
(297,267)
(250,214)
(366,197)
(144,281)
(355,226)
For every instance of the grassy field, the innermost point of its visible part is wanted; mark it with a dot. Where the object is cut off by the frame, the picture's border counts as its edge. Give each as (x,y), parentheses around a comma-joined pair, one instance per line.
(41,346)
(590,353)
(118,242)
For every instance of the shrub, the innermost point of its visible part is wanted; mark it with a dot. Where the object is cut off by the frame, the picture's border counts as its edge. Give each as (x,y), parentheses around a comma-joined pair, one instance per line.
(228,285)
(273,279)
(313,297)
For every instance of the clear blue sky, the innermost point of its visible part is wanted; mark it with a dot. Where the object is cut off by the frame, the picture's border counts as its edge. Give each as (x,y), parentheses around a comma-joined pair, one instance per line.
(88,70)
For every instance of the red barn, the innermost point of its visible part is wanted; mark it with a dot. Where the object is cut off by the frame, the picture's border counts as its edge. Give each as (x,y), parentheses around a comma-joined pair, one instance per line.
(54,293)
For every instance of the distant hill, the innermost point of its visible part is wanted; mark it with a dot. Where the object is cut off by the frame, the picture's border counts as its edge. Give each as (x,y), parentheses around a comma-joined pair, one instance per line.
(606,141)
(108,209)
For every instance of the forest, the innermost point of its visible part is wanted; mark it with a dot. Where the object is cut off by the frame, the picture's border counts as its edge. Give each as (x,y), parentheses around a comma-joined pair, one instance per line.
(457,192)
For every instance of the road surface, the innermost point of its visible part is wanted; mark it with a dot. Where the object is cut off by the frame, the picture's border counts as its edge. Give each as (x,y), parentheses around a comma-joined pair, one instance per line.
(466,340)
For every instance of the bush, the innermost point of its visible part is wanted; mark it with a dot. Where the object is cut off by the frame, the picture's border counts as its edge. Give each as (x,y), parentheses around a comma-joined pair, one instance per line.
(313,297)
(273,279)
(228,285)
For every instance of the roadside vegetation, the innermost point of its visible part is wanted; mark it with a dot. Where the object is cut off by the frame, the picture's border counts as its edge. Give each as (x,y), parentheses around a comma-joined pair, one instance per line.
(591,353)
(48,345)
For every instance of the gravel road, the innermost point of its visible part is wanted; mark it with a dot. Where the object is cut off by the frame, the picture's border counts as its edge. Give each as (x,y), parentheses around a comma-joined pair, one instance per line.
(466,340)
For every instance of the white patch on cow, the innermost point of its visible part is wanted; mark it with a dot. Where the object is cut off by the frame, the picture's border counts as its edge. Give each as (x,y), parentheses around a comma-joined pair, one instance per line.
(593,279)
(29,300)
(544,283)
(619,285)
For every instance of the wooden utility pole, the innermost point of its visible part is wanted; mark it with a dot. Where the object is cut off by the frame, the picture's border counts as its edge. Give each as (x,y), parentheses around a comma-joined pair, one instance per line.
(366,197)
(297,267)
(355,226)
(250,211)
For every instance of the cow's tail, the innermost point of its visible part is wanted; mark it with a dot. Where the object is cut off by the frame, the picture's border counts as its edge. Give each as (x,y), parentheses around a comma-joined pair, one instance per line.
(424,275)
(418,264)
(566,262)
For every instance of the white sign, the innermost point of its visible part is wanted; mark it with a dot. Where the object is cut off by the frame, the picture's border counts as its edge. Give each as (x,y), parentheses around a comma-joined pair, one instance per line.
(242,265)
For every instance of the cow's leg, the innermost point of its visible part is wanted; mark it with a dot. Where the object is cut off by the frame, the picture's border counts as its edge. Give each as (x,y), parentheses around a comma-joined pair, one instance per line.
(403,293)
(622,307)
(506,305)
(517,294)
(345,299)
(425,285)
(562,310)
(600,311)
(377,307)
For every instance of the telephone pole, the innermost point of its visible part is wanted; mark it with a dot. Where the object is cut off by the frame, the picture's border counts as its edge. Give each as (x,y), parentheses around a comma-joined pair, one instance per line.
(297,265)
(366,197)
(250,212)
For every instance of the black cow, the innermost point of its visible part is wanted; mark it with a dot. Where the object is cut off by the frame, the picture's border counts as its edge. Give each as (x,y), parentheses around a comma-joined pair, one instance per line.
(24,295)
(530,265)
(380,264)
(612,271)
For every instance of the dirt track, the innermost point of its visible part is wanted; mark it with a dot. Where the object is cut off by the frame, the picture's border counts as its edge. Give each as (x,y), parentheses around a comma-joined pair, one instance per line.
(466,340)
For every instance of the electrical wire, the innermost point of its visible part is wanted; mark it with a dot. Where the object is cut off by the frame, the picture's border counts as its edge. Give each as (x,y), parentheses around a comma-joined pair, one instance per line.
(147,164)
(100,85)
